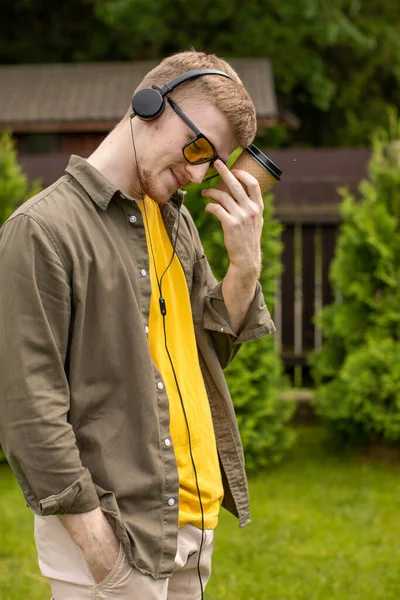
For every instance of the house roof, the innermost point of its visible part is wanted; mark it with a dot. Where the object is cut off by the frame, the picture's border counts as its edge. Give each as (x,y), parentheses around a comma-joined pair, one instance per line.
(94,96)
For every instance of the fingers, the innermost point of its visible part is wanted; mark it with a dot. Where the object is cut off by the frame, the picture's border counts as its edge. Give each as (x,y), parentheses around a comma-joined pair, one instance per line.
(224,200)
(252,186)
(227,221)
(234,186)
(241,185)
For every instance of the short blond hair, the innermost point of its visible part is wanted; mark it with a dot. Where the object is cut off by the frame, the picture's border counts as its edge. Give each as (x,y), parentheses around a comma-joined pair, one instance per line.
(229,96)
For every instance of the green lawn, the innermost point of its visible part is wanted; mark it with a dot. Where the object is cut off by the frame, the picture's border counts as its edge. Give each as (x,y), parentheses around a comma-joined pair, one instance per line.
(20,577)
(326,526)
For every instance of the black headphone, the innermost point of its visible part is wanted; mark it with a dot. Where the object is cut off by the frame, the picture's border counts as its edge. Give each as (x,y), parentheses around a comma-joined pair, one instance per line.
(149,103)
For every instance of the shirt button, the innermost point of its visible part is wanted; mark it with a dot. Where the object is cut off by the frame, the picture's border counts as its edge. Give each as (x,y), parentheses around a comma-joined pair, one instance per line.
(143,272)
(171,501)
(133,219)
(160,385)
(146,329)
(167,442)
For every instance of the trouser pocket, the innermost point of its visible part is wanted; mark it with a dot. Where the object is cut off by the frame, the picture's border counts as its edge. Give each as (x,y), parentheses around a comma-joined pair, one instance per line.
(117,577)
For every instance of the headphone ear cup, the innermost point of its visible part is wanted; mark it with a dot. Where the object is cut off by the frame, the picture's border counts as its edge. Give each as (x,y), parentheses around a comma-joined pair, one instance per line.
(148,104)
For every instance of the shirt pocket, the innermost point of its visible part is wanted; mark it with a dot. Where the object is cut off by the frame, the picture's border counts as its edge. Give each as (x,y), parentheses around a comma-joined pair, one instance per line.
(199,289)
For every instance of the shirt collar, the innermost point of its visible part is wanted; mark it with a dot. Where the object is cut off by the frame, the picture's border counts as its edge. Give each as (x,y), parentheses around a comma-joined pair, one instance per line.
(99,188)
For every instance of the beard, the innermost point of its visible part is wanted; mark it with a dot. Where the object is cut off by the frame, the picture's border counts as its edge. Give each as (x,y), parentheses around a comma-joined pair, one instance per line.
(152,187)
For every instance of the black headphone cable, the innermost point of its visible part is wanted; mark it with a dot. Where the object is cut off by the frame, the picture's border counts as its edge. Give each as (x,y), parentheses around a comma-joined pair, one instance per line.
(163,310)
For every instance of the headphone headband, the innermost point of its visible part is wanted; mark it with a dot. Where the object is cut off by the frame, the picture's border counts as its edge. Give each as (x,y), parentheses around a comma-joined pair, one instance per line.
(169,87)
(149,103)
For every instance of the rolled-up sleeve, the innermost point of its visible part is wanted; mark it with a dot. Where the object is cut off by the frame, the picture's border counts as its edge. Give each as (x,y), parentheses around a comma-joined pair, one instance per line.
(256,324)
(35,313)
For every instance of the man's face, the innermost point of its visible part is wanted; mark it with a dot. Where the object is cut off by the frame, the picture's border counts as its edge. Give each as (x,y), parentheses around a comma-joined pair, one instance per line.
(162,166)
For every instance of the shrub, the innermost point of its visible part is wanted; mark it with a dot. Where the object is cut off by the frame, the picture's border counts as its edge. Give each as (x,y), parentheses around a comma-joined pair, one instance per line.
(255,377)
(14,187)
(358,369)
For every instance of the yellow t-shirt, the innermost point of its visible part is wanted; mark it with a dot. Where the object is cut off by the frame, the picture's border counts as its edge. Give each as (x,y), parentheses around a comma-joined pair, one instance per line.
(182,347)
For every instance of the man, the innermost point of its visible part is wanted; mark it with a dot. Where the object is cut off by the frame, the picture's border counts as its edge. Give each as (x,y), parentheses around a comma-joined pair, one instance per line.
(115,414)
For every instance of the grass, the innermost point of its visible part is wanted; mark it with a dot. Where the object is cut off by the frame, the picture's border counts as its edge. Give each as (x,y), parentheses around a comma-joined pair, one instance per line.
(325,527)
(20,577)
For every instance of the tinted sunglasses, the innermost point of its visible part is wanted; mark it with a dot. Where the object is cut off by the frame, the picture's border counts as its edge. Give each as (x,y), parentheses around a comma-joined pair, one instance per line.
(199,150)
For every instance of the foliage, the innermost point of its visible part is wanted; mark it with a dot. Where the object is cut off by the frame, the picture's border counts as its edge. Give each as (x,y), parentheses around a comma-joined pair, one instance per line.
(255,377)
(336,64)
(347,53)
(358,368)
(45,31)
(14,188)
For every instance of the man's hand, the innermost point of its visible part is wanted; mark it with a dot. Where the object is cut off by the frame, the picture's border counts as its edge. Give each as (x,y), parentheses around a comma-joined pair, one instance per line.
(93,534)
(241,214)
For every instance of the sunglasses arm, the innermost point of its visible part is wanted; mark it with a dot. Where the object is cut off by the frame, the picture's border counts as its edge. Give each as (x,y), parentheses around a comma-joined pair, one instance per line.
(184,118)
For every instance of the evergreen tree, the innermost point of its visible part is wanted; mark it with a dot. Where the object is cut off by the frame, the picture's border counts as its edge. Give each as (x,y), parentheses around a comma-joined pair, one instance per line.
(358,369)
(255,377)
(14,187)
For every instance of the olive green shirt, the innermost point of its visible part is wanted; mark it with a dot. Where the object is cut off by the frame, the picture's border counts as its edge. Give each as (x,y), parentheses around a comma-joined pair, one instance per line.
(84,414)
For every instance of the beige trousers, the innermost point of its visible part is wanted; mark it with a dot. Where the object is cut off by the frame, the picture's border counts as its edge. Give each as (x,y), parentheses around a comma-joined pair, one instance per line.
(62,562)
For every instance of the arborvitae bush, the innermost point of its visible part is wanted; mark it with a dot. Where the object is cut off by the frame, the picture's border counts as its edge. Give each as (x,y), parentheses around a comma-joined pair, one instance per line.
(14,187)
(255,377)
(358,369)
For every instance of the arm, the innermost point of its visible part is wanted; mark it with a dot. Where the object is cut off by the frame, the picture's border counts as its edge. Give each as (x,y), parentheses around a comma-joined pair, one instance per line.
(241,214)
(233,311)
(238,291)
(93,534)
(38,441)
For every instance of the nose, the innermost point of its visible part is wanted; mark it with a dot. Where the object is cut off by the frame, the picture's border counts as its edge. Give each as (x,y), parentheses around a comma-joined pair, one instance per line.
(197,172)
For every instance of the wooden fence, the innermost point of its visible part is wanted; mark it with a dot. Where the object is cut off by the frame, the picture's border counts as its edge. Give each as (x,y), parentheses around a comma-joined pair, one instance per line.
(307,203)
